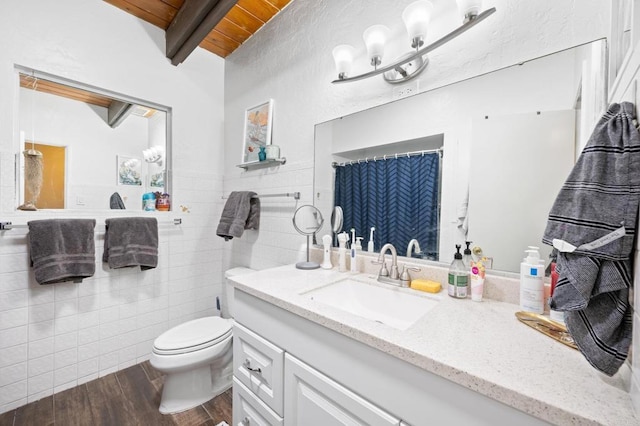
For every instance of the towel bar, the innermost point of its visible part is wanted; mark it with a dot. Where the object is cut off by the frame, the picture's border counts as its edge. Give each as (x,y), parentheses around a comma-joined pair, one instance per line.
(7,226)
(295,195)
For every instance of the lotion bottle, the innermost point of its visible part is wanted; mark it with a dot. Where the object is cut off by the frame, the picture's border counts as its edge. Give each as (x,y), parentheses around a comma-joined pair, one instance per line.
(532,283)
(342,252)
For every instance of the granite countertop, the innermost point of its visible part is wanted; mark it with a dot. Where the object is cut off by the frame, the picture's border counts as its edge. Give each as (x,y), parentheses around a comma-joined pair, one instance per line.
(479,345)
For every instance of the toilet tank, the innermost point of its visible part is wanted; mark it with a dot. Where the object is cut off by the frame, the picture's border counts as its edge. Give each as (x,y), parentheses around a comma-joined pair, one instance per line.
(228,289)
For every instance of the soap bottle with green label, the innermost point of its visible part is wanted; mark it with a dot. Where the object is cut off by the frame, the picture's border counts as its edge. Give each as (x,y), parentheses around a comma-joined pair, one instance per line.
(458,276)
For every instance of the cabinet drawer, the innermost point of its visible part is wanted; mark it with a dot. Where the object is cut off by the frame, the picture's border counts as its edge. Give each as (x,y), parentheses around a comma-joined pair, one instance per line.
(248,410)
(314,399)
(259,365)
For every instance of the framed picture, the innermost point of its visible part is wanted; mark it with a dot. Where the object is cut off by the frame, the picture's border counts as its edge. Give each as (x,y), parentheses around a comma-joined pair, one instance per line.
(129,170)
(257,130)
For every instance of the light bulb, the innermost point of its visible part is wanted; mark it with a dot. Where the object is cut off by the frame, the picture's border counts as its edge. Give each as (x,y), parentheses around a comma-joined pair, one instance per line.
(469,9)
(343,57)
(416,18)
(375,38)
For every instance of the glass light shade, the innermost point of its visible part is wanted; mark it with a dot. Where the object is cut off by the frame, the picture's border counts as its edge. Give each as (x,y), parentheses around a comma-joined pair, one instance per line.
(343,57)
(375,38)
(469,9)
(416,18)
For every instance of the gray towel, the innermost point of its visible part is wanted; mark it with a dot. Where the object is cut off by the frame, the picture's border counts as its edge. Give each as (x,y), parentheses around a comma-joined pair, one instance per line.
(115,202)
(62,249)
(592,223)
(241,211)
(131,241)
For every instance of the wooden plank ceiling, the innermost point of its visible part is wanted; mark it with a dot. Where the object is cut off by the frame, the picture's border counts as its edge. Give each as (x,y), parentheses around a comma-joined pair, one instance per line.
(241,22)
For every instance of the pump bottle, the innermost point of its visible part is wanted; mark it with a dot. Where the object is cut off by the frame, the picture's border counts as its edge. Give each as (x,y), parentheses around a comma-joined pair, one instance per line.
(532,282)
(458,276)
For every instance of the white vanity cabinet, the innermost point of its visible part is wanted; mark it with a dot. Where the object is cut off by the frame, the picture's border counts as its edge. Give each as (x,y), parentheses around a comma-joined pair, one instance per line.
(313,399)
(328,378)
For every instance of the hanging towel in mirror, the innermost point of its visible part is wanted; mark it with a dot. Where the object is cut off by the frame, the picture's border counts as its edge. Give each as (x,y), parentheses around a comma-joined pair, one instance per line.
(592,224)
(131,241)
(115,202)
(241,211)
(62,249)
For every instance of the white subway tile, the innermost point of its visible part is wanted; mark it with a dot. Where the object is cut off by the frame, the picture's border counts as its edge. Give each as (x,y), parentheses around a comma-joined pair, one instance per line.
(66,324)
(13,373)
(13,336)
(39,366)
(41,294)
(41,330)
(64,308)
(40,383)
(13,281)
(88,319)
(108,361)
(13,299)
(88,335)
(66,290)
(126,357)
(88,303)
(65,375)
(88,367)
(66,341)
(109,315)
(128,310)
(39,395)
(88,378)
(13,392)
(41,312)
(85,352)
(40,348)
(108,330)
(143,349)
(14,262)
(65,386)
(13,355)
(66,358)
(13,405)
(14,318)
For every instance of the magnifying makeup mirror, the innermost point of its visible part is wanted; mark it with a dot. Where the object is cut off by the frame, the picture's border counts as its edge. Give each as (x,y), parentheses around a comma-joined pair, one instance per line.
(307,220)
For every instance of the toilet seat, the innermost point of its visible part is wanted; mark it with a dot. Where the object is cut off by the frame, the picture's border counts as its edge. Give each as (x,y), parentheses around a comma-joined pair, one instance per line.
(192,336)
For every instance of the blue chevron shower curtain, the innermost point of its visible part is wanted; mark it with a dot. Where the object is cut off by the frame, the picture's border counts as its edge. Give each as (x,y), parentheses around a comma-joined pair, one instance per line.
(399,196)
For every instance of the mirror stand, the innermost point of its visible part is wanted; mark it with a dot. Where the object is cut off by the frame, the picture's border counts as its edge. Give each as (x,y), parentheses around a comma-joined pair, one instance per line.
(307,220)
(307,265)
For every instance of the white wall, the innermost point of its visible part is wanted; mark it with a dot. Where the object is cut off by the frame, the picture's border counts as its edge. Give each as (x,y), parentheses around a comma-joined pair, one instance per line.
(290,61)
(54,337)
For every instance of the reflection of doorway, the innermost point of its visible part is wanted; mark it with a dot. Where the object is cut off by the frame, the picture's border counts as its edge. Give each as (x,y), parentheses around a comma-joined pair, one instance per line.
(53,181)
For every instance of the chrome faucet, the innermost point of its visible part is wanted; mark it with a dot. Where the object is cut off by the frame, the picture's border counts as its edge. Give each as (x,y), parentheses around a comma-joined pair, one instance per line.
(393,277)
(413,243)
(393,274)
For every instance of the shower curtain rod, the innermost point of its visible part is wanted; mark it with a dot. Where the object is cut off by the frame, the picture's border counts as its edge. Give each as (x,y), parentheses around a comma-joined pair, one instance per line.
(384,157)
(7,226)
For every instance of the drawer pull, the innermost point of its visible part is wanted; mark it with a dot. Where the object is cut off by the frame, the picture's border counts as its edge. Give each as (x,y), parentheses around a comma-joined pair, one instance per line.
(247,365)
(245,421)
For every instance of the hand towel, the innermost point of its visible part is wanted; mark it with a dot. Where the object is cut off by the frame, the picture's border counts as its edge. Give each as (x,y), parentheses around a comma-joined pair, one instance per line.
(592,224)
(62,249)
(115,202)
(241,211)
(131,241)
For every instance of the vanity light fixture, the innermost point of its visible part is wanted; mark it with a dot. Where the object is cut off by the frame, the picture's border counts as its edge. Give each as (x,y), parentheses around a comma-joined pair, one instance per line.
(416,17)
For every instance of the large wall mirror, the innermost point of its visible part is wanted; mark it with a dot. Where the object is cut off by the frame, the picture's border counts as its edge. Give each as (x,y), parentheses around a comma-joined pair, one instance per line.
(79,145)
(508,140)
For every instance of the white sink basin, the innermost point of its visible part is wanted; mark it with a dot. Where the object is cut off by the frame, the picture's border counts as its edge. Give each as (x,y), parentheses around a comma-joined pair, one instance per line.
(395,307)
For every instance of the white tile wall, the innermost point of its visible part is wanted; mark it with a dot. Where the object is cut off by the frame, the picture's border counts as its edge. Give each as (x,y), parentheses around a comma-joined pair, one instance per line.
(57,336)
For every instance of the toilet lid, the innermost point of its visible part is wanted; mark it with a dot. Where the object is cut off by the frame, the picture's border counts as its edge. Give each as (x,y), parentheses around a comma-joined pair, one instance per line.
(193,335)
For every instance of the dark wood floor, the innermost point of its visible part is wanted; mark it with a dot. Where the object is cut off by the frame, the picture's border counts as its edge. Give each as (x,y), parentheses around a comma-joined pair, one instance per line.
(127,397)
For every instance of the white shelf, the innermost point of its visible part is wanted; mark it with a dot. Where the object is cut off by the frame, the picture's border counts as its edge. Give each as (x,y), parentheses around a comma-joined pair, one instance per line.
(265,163)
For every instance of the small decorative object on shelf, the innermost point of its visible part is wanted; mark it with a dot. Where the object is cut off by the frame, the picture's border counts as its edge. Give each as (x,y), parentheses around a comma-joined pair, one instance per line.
(262,154)
(273,152)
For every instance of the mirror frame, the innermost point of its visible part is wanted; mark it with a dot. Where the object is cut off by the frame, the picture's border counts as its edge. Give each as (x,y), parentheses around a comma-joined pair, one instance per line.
(20,69)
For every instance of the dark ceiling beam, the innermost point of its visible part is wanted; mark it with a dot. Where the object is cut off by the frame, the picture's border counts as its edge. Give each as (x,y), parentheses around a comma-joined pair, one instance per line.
(193,22)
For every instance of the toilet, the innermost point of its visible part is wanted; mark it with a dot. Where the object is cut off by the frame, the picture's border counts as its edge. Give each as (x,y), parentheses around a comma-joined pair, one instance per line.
(196,356)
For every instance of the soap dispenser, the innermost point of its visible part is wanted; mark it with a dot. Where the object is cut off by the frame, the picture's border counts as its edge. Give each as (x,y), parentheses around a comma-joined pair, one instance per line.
(466,257)
(458,276)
